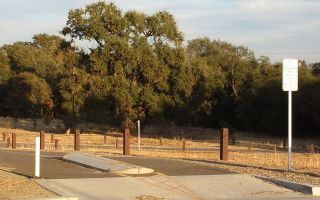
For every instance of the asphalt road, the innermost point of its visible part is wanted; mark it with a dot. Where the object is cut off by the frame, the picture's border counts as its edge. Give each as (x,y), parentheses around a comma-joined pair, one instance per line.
(53,167)
(171,167)
(176,179)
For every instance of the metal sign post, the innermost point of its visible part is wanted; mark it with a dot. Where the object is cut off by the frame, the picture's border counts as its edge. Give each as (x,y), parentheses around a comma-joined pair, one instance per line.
(290,83)
(139,135)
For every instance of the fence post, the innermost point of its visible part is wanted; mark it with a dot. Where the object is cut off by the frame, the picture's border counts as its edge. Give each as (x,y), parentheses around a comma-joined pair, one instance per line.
(105,139)
(160,141)
(224,143)
(42,140)
(311,149)
(77,140)
(126,141)
(249,147)
(14,141)
(8,142)
(117,143)
(52,138)
(4,137)
(56,144)
(183,145)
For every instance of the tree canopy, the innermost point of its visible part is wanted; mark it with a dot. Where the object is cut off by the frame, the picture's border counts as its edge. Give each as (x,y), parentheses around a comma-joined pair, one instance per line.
(139,67)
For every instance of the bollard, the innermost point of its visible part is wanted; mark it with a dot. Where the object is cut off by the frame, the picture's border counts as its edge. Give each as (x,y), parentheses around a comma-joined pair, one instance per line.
(284,143)
(311,149)
(4,137)
(224,144)
(249,147)
(105,139)
(52,138)
(56,144)
(160,141)
(117,143)
(37,158)
(183,145)
(126,142)
(14,141)
(42,140)
(77,140)
(8,142)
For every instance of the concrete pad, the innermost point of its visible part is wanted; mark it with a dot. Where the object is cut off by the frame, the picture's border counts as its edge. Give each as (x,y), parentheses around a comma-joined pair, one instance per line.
(299,187)
(232,186)
(106,164)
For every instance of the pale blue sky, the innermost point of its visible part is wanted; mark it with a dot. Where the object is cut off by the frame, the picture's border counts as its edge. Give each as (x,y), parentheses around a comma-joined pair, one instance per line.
(275,28)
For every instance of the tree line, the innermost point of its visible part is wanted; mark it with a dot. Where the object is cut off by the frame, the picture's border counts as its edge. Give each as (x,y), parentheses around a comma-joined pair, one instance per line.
(137,67)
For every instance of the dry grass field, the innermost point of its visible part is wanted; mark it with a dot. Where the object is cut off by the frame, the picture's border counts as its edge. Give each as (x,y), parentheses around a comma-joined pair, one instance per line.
(273,159)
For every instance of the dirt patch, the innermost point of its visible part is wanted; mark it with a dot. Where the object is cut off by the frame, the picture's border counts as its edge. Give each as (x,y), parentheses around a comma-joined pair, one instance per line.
(18,187)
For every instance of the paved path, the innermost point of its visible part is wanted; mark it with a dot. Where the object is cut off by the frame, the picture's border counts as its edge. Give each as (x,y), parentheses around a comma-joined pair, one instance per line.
(160,187)
(173,180)
(172,167)
(22,162)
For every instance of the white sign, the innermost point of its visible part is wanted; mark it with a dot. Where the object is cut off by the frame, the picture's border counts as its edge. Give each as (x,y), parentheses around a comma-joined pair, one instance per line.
(290,75)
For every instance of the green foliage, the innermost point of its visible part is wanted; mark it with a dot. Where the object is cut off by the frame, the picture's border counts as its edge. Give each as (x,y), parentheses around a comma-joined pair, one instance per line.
(29,96)
(137,68)
(5,70)
(138,55)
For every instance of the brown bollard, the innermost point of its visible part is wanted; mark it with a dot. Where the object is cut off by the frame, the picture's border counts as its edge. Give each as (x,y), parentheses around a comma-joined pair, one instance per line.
(4,137)
(52,138)
(42,140)
(311,149)
(117,143)
(105,139)
(56,144)
(160,141)
(8,142)
(126,142)
(224,144)
(77,140)
(249,147)
(14,141)
(183,145)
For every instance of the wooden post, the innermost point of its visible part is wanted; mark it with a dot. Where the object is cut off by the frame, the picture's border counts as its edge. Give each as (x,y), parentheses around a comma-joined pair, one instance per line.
(14,141)
(8,142)
(105,139)
(42,140)
(311,150)
(56,144)
(4,137)
(224,144)
(77,140)
(249,147)
(160,141)
(183,145)
(126,142)
(52,138)
(117,143)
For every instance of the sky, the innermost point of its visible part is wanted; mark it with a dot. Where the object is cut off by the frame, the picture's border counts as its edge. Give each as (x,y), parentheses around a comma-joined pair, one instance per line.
(274,28)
